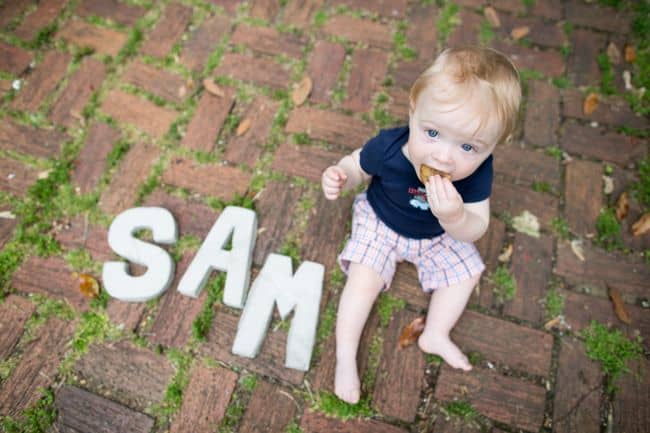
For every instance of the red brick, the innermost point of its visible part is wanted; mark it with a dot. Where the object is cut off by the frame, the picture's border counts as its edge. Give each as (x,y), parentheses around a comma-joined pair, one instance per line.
(399,105)
(541,32)
(149,117)
(133,375)
(168,31)
(448,424)
(582,65)
(39,143)
(583,195)
(203,41)
(548,9)
(41,82)
(532,270)
(467,32)
(419,34)
(313,422)
(125,315)
(269,362)
(542,120)
(80,410)
(490,246)
(300,13)
(161,83)
(92,158)
(67,110)
(399,369)
(505,399)
(598,17)
(47,11)
(10,11)
(37,368)
(264,9)
(100,39)
(15,177)
(515,6)
(324,68)
(5,86)
(6,229)
(260,71)
(359,30)
(209,179)
(548,62)
(14,312)
(386,8)
(14,59)
(632,399)
(369,69)
(329,126)
(114,10)
(133,170)
(406,286)
(612,110)
(270,409)
(578,390)
(514,199)
(268,41)
(78,234)
(527,166)
(248,147)
(406,73)
(304,161)
(205,399)
(229,6)
(207,120)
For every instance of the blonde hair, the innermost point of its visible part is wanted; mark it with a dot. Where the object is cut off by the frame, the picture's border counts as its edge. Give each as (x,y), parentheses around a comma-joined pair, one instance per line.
(475,73)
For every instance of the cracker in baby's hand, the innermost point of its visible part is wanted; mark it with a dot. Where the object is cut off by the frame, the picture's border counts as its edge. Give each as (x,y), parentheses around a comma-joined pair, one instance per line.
(426,172)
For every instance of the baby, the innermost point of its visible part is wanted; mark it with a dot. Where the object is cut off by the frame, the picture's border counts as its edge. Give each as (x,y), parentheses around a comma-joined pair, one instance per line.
(461,107)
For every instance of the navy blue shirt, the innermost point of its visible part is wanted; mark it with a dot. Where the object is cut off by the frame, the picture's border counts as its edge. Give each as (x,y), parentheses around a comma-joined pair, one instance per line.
(396,193)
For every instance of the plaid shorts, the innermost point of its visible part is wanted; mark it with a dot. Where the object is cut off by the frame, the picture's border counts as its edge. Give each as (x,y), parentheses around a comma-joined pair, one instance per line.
(441,261)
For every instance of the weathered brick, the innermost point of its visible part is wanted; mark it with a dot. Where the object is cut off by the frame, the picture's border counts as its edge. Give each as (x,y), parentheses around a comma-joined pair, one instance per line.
(274,207)
(514,199)
(92,158)
(419,35)
(541,32)
(193,217)
(15,177)
(612,110)
(168,31)
(133,375)
(7,226)
(125,315)
(10,11)
(406,286)
(14,59)
(209,179)
(78,234)
(582,65)
(632,399)
(229,6)
(300,13)
(264,9)
(14,312)
(269,362)
(100,39)
(515,6)
(133,170)
(111,9)
(247,148)
(531,268)
(37,367)
(548,62)
(399,369)
(359,30)
(40,143)
(548,9)
(205,399)
(406,73)
(161,83)
(80,410)
(448,424)
(324,68)
(267,40)
(399,104)
(149,117)
(385,8)
(583,195)
(369,68)
(543,117)
(598,17)
(578,390)
(46,12)
(491,244)
(5,86)
(329,126)
(314,422)
(527,166)
(467,32)
(42,81)
(68,108)
(260,71)
(270,409)
(207,120)
(476,4)
(203,41)
(304,161)
(505,399)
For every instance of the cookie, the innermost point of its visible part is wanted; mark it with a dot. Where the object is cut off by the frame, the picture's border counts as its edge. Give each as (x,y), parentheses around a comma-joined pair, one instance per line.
(426,172)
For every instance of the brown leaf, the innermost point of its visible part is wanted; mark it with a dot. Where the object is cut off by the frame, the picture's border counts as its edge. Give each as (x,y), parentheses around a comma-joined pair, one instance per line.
(212,88)
(492,16)
(243,127)
(613,53)
(519,32)
(552,323)
(591,103)
(619,305)
(642,226)
(88,285)
(622,206)
(630,54)
(302,91)
(506,254)
(411,332)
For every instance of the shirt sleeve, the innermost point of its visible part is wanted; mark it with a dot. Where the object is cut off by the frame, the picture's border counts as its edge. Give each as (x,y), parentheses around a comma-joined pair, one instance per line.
(478,186)
(372,155)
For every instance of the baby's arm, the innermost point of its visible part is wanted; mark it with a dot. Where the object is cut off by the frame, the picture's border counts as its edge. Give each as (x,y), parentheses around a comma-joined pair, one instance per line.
(346,174)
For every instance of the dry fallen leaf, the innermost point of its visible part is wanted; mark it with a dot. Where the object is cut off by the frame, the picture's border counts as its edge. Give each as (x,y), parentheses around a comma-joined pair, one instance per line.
(642,226)
(608,186)
(613,53)
(627,80)
(630,54)
(411,332)
(44,174)
(492,16)
(243,127)
(87,285)
(622,206)
(552,323)
(591,103)
(519,32)
(526,223)
(302,91)
(212,88)
(6,214)
(619,305)
(576,247)
(505,255)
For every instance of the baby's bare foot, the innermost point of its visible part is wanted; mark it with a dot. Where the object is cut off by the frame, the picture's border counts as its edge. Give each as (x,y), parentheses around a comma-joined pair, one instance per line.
(346,382)
(441,345)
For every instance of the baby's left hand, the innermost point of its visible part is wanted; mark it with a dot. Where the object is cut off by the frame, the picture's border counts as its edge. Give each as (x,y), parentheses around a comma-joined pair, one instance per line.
(446,204)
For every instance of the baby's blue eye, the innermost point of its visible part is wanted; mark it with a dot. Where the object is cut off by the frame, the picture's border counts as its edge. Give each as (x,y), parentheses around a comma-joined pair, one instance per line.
(432,133)
(467,147)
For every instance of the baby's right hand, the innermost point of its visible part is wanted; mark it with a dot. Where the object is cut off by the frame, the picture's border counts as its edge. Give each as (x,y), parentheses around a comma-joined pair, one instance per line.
(334,178)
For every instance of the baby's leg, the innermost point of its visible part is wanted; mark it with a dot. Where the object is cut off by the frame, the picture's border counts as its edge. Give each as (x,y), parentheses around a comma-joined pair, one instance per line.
(361,289)
(445,307)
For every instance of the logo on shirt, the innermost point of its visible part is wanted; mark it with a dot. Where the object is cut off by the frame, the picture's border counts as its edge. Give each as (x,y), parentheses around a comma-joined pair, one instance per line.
(419,198)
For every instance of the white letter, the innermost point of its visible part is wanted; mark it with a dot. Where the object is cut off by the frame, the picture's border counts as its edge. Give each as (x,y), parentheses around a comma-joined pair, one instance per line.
(300,293)
(160,266)
(242,223)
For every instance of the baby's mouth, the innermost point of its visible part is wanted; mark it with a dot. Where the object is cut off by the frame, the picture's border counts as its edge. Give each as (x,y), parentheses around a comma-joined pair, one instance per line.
(428,171)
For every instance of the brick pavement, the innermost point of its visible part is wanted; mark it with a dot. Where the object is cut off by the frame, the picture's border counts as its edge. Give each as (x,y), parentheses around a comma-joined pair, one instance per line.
(114,90)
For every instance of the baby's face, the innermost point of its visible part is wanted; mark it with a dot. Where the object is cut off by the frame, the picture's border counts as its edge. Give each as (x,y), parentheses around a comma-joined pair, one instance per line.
(445,139)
